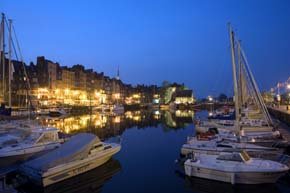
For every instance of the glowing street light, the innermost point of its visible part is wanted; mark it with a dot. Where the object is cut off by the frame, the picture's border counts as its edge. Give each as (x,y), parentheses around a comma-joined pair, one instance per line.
(210,98)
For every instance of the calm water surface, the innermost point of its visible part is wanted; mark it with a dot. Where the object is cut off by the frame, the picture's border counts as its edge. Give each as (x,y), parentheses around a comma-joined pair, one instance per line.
(151,143)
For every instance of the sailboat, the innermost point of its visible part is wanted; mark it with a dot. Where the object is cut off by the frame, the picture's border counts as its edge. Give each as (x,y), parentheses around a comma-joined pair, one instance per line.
(7,68)
(235,165)
(117,108)
(252,123)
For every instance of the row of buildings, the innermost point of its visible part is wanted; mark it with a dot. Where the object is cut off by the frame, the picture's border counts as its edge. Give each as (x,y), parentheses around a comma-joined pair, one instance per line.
(47,83)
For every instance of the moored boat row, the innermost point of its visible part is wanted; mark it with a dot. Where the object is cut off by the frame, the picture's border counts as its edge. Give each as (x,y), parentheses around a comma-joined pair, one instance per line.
(232,146)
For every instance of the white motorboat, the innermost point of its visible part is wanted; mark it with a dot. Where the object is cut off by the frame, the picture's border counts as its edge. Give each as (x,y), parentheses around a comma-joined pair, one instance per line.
(216,146)
(83,152)
(234,168)
(30,143)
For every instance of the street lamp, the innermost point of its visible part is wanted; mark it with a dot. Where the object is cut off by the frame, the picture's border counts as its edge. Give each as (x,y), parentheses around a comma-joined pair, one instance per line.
(210,98)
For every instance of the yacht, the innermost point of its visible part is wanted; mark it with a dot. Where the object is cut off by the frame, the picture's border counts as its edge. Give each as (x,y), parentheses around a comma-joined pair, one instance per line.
(28,144)
(83,152)
(234,168)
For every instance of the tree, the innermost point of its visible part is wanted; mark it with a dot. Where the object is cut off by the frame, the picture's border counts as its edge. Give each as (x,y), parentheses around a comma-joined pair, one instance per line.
(222,97)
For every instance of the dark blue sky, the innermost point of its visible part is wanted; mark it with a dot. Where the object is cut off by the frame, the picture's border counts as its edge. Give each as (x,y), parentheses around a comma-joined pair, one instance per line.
(155,40)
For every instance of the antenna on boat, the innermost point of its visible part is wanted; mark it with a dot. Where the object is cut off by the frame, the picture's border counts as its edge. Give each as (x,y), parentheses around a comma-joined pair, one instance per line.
(3,55)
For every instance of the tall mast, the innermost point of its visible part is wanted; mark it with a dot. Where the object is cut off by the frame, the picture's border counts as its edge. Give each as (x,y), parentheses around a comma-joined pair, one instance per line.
(240,85)
(236,97)
(9,64)
(3,56)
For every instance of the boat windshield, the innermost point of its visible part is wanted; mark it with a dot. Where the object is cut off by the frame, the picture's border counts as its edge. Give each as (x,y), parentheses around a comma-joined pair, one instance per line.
(238,157)
(47,137)
(245,156)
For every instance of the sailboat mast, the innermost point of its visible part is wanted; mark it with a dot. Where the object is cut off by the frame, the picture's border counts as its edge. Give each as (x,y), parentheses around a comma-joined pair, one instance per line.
(236,96)
(240,85)
(3,56)
(9,64)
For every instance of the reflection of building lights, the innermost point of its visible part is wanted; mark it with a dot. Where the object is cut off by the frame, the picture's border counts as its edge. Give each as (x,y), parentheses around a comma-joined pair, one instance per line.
(128,115)
(116,96)
(136,118)
(76,92)
(97,94)
(117,119)
(98,123)
(136,95)
(210,114)
(66,91)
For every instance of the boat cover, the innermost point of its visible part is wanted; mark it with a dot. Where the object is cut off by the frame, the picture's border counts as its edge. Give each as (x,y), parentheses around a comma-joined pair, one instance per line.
(76,148)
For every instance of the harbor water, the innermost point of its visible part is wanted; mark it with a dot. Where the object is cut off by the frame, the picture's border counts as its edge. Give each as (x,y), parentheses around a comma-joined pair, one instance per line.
(149,160)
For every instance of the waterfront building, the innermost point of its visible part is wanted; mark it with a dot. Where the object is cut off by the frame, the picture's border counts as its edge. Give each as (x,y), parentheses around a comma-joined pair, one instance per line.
(67,78)
(51,84)
(184,97)
(80,77)
(46,72)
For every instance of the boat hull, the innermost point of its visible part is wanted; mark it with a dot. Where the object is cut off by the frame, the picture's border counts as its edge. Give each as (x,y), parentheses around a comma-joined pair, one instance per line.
(233,178)
(71,169)
(14,157)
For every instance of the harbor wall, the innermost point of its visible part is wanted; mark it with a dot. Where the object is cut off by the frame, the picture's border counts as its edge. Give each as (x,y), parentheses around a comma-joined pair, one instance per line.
(279,114)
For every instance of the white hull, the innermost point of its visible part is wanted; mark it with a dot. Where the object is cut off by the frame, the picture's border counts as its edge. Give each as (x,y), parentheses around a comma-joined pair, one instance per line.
(29,150)
(65,171)
(234,178)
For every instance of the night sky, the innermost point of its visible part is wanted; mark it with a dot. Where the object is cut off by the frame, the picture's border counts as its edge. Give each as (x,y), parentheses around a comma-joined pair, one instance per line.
(155,40)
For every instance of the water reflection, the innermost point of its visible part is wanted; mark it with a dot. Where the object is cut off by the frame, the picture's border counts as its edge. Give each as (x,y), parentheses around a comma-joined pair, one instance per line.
(200,185)
(91,181)
(210,186)
(109,125)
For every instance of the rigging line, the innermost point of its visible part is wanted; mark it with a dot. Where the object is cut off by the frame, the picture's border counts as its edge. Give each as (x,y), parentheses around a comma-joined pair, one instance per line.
(13,44)
(252,92)
(257,91)
(260,101)
(24,69)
